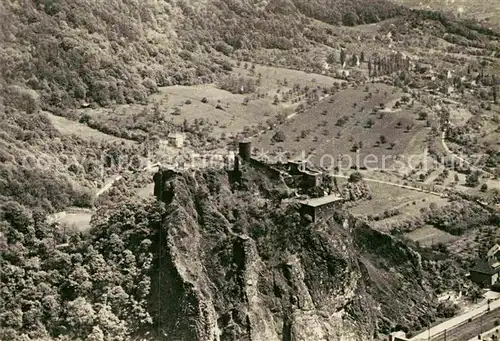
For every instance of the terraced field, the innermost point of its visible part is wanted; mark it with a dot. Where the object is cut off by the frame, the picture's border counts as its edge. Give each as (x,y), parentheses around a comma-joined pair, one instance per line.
(361,120)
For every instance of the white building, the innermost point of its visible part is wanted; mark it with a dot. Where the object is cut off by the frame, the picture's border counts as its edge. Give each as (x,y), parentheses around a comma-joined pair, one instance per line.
(176,139)
(397,336)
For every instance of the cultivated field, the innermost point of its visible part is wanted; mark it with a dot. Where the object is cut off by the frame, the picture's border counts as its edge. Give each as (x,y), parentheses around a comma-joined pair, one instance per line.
(429,236)
(271,75)
(387,197)
(342,123)
(407,202)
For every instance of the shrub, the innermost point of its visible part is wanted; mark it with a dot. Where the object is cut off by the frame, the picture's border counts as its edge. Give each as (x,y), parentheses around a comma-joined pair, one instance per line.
(422,115)
(224,48)
(355,177)
(447,309)
(279,136)
(472,180)
(237,85)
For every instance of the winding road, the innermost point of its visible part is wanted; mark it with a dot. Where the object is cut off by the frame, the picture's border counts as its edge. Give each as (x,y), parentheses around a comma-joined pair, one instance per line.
(450,152)
(80,218)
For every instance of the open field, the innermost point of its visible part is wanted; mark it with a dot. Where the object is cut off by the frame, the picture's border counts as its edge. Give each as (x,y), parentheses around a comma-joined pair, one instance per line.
(386,197)
(409,210)
(491,129)
(271,75)
(428,236)
(351,119)
(146,191)
(179,103)
(231,119)
(459,116)
(73,219)
(77,221)
(69,127)
(221,111)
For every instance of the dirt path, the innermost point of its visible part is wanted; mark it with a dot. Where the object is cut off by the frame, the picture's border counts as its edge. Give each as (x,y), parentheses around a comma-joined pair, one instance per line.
(107,186)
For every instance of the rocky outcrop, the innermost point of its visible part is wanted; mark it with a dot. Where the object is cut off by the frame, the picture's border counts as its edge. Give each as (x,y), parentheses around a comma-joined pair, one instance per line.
(234,266)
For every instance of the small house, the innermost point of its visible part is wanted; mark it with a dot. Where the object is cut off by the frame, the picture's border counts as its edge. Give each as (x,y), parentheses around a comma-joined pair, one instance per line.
(485,272)
(320,207)
(176,140)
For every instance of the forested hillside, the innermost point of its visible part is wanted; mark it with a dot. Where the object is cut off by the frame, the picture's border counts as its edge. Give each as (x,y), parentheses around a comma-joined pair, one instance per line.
(120,51)
(78,288)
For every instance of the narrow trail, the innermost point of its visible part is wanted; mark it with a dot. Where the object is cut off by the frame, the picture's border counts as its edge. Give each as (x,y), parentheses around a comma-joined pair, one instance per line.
(107,186)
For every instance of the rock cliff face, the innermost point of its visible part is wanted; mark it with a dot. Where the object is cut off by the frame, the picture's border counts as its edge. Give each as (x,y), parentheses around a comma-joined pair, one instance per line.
(235,265)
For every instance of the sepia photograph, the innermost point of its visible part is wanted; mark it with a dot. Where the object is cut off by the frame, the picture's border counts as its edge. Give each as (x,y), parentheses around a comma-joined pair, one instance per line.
(249,170)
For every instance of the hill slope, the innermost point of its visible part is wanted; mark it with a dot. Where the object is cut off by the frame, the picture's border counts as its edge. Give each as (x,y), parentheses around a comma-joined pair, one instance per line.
(485,10)
(74,52)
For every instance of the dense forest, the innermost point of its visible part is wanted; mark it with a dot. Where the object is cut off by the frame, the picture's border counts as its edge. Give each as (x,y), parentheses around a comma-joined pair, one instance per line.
(120,52)
(92,287)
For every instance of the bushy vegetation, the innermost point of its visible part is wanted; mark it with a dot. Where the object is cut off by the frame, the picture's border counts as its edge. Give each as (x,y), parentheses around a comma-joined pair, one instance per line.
(352,13)
(40,167)
(33,169)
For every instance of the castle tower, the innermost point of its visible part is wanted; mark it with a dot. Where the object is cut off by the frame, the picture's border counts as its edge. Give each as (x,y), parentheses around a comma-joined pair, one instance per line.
(245,149)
